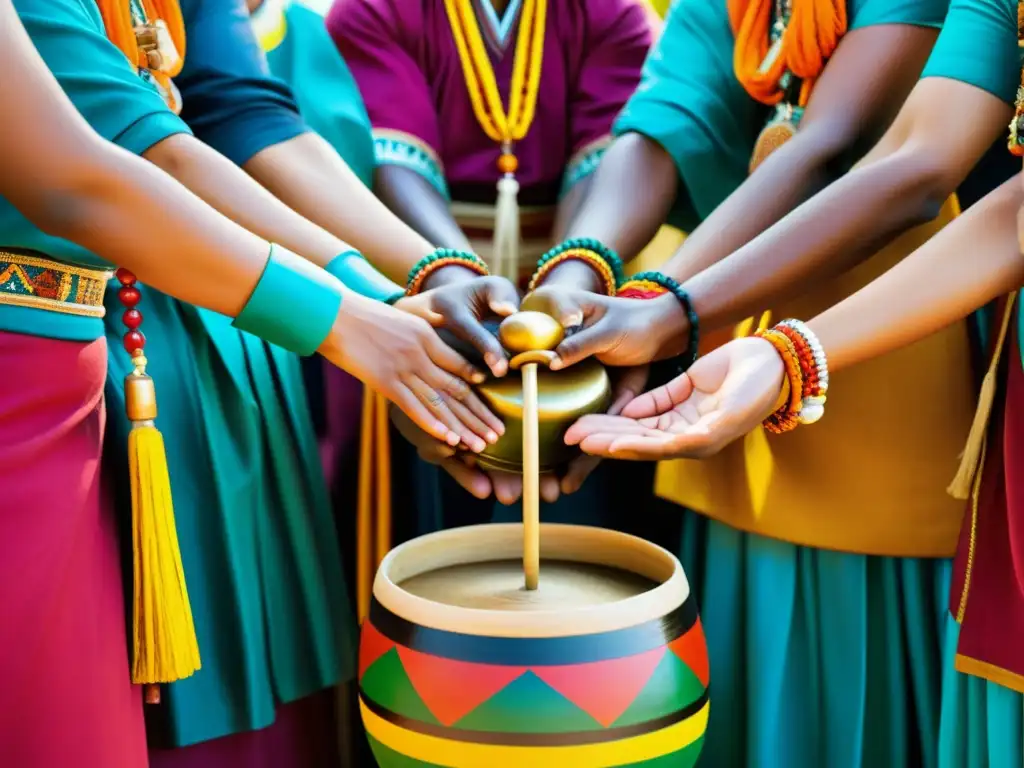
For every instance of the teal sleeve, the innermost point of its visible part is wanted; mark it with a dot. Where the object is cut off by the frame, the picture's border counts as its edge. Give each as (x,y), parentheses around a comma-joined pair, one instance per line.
(96,75)
(690,102)
(358,275)
(918,13)
(294,305)
(978,46)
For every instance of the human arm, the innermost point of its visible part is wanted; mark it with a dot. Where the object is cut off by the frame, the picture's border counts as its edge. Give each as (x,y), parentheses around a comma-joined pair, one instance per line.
(605,65)
(124,208)
(728,392)
(382,44)
(238,109)
(950,118)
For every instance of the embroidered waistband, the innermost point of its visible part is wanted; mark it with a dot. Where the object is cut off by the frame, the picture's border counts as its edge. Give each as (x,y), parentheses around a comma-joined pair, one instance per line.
(41,283)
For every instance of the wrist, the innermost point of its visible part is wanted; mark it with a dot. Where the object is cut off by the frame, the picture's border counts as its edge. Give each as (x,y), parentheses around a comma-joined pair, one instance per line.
(453,273)
(671,326)
(596,257)
(574,274)
(294,305)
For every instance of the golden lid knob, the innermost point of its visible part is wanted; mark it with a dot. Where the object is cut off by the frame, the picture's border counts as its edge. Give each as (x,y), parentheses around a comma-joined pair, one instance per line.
(530,332)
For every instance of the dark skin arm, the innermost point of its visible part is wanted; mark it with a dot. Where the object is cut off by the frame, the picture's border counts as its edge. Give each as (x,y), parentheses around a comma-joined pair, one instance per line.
(625,223)
(416,202)
(939,134)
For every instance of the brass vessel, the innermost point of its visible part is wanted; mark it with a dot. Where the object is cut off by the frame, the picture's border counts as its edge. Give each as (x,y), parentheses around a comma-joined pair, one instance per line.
(563,396)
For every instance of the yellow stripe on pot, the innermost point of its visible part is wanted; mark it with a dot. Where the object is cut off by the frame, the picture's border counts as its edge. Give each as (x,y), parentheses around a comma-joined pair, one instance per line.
(445,752)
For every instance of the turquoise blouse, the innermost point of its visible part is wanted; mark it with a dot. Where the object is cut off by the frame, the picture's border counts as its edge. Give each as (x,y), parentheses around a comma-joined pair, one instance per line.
(978,46)
(327,94)
(690,102)
(107,90)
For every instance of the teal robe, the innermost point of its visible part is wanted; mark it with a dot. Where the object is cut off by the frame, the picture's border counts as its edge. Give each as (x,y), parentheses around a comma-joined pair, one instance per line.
(982,723)
(255,524)
(818,658)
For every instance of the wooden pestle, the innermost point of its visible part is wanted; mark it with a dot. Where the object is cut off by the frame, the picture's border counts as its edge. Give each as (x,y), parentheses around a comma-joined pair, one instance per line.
(532,335)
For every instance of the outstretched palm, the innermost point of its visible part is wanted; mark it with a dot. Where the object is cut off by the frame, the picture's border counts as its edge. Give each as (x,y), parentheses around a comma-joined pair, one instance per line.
(724,395)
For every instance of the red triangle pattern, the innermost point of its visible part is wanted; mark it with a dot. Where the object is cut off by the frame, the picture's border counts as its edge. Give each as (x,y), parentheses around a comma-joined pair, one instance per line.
(603,689)
(372,645)
(453,689)
(692,650)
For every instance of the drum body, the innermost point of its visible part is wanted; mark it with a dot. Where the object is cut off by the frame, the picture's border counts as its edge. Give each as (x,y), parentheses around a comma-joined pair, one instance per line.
(614,683)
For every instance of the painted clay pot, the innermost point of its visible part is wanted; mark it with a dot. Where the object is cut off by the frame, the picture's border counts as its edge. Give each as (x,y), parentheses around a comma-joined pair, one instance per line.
(604,665)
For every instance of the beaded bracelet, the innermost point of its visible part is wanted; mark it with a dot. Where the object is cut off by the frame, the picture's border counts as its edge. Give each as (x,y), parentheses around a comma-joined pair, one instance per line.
(438,259)
(806,373)
(594,253)
(650,285)
(813,356)
(787,417)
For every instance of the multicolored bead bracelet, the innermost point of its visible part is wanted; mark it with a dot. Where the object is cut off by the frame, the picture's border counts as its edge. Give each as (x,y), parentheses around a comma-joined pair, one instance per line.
(806,374)
(598,256)
(438,259)
(651,285)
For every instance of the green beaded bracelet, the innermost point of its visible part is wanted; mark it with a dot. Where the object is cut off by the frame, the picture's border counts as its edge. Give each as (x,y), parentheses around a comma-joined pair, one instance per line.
(294,305)
(689,357)
(438,258)
(599,249)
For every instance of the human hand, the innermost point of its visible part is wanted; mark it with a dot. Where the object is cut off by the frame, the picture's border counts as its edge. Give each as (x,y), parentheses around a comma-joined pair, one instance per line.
(402,357)
(627,384)
(723,396)
(506,487)
(618,332)
(460,306)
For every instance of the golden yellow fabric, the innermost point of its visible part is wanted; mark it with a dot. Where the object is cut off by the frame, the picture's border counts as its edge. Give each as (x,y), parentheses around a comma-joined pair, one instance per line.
(658,251)
(871,476)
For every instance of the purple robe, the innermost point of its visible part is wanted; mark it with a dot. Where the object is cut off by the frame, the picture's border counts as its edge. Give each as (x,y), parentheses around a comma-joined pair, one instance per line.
(405,62)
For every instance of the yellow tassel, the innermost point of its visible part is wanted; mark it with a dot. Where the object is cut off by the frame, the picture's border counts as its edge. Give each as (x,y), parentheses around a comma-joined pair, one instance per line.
(506,229)
(970,459)
(165,648)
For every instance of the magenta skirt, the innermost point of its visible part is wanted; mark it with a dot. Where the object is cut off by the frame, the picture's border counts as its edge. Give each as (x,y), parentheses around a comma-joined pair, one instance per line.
(66,698)
(304,735)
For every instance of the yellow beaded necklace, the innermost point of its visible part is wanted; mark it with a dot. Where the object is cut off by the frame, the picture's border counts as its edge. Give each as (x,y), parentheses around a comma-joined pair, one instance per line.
(503,127)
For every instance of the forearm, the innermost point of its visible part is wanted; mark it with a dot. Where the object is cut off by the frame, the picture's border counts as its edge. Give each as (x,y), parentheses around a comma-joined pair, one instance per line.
(793,173)
(416,202)
(309,176)
(839,228)
(630,196)
(626,202)
(136,216)
(969,263)
(231,191)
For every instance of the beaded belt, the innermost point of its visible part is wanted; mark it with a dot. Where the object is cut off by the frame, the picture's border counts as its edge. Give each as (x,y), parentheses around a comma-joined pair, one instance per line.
(41,283)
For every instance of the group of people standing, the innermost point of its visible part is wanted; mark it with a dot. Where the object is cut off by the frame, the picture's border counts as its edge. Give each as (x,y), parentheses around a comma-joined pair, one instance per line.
(273,183)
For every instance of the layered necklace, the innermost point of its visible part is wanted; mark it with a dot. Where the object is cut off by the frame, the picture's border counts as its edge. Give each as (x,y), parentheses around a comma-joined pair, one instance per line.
(503,127)
(151,33)
(780,52)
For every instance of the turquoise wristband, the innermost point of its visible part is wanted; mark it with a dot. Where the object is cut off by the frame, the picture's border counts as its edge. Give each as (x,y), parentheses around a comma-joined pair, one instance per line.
(359,276)
(294,305)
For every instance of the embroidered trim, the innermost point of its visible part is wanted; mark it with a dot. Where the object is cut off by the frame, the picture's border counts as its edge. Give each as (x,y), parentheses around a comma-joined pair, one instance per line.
(405,150)
(31,281)
(584,163)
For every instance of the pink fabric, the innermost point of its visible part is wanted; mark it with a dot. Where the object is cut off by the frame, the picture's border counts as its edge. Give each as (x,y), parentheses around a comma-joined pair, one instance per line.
(302,736)
(65,694)
(405,62)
